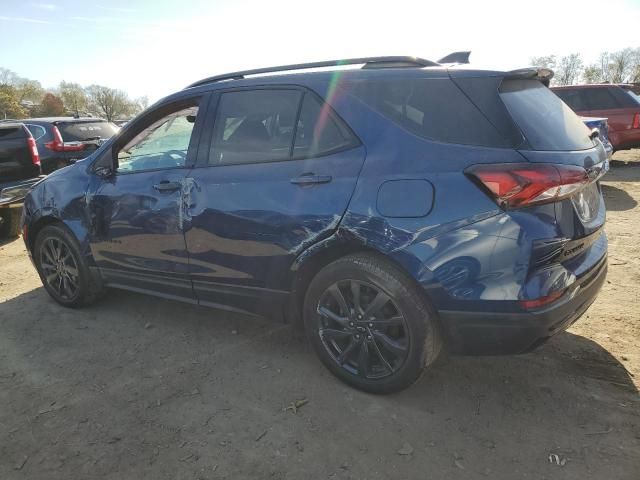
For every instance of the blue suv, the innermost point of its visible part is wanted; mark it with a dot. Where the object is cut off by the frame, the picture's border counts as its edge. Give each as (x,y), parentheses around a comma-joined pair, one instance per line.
(397,210)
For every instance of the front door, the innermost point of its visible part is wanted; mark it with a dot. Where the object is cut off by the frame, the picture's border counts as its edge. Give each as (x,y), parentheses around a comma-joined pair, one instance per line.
(276,176)
(138,237)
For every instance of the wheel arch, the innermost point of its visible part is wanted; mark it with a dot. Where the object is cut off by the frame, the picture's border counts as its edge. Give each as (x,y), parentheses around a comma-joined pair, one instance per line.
(314,258)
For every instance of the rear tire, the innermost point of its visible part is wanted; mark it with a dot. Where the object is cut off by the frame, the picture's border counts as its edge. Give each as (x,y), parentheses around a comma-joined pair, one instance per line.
(62,268)
(370,324)
(10,222)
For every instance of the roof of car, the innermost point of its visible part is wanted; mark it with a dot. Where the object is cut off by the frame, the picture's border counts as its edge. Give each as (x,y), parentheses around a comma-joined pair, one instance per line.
(63,119)
(592,85)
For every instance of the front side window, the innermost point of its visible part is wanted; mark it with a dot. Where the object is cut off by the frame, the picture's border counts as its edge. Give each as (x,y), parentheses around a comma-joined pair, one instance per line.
(162,144)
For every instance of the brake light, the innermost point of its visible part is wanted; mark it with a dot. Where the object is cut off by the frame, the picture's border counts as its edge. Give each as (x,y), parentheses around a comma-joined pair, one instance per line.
(514,185)
(542,301)
(636,120)
(33,150)
(57,145)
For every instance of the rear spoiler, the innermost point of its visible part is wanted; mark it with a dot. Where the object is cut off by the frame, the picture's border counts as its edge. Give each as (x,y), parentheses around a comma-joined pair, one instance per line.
(532,73)
(456,57)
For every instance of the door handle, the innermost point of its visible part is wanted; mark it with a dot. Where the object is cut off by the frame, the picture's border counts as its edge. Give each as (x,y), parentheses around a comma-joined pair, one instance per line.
(166,186)
(310,179)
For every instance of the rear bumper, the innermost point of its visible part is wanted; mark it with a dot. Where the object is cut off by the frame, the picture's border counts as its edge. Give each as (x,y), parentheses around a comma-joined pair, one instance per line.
(14,193)
(487,333)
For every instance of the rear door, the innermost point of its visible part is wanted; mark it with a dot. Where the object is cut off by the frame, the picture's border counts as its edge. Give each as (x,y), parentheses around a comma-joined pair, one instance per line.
(275,176)
(555,135)
(15,156)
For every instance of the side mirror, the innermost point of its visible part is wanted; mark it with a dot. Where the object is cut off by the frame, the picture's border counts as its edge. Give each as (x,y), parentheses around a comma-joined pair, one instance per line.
(103,172)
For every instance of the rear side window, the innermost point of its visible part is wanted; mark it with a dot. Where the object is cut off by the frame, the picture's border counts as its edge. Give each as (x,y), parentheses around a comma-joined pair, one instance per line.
(37,131)
(319,131)
(546,122)
(435,109)
(81,131)
(633,92)
(254,126)
(574,98)
(600,99)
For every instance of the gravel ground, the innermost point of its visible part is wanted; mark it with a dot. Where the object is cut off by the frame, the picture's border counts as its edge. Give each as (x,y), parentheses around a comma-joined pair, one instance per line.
(135,387)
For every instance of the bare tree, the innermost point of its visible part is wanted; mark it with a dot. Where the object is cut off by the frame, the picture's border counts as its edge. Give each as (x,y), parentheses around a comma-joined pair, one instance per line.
(73,96)
(7,77)
(108,102)
(621,64)
(569,69)
(547,61)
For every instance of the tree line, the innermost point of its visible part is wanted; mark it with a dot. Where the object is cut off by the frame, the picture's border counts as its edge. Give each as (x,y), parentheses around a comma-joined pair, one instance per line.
(22,97)
(622,66)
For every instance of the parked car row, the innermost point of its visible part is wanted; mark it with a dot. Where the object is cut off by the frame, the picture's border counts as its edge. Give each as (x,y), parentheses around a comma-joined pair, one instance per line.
(618,103)
(32,147)
(340,200)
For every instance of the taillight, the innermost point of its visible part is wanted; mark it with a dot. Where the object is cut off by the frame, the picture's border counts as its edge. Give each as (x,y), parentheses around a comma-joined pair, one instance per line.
(57,145)
(514,185)
(542,301)
(636,120)
(33,150)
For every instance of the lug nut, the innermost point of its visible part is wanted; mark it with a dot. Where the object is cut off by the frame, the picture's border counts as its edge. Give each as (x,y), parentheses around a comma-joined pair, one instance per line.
(359,317)
(368,337)
(351,324)
(357,337)
(371,325)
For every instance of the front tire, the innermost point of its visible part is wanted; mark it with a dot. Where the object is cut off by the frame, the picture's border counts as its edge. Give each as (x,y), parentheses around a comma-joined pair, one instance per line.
(370,325)
(62,268)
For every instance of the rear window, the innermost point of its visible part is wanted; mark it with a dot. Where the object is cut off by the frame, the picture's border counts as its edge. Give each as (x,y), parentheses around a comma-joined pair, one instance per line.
(545,120)
(12,132)
(435,109)
(80,131)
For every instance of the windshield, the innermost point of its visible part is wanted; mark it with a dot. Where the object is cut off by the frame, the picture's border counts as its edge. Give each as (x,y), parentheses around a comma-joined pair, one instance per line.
(81,131)
(545,120)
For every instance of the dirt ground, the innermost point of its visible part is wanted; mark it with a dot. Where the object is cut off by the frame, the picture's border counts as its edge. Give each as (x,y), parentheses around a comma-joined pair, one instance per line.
(137,387)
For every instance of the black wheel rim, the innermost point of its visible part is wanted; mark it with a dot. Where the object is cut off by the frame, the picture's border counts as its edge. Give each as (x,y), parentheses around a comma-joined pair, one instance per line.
(362,329)
(59,268)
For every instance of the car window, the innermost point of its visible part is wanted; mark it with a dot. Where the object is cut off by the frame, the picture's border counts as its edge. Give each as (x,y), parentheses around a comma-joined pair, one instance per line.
(162,144)
(546,122)
(319,131)
(600,99)
(435,109)
(81,131)
(37,131)
(254,126)
(574,98)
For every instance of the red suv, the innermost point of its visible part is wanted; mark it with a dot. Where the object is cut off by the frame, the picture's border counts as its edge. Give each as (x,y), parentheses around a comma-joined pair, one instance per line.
(620,103)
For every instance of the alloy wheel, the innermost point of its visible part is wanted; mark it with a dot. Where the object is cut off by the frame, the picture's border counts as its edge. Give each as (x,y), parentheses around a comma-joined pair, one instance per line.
(362,329)
(59,268)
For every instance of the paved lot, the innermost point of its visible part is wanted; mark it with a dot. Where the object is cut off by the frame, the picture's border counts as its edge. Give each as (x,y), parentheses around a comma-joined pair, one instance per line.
(137,387)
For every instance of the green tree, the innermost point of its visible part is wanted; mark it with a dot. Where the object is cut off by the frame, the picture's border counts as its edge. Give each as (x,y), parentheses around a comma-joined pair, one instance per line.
(592,74)
(546,61)
(74,97)
(9,104)
(51,106)
(29,89)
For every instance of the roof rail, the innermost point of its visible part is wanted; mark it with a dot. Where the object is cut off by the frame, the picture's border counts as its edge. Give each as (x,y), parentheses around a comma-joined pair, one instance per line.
(369,62)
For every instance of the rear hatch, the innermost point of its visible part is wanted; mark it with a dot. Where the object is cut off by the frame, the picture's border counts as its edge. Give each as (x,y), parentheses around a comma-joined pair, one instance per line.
(80,138)
(557,182)
(16,159)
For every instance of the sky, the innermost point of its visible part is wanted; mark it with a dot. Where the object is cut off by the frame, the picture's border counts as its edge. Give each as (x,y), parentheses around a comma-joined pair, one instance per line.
(155,47)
